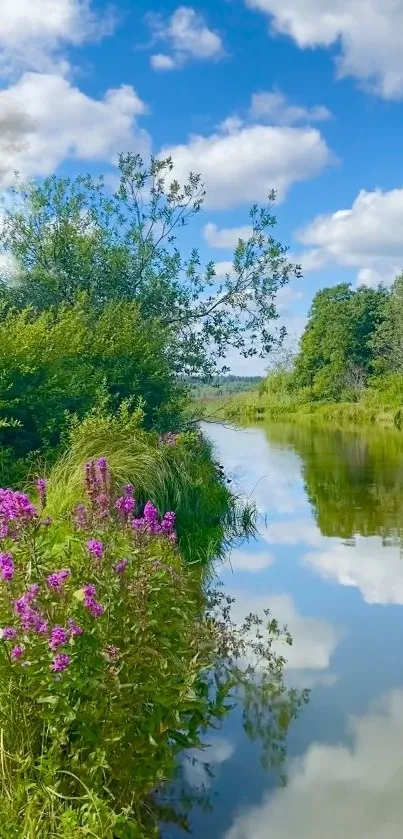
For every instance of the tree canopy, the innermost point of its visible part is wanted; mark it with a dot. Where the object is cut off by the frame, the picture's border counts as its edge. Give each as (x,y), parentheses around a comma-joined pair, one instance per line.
(69,236)
(337,352)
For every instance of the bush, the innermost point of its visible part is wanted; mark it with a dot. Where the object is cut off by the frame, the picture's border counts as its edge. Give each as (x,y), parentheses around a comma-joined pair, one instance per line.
(61,362)
(111,663)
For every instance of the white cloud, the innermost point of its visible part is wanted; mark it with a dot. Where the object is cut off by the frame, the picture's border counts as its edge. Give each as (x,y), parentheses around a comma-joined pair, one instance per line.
(367,35)
(375,569)
(187,37)
(244,560)
(32,32)
(366,236)
(270,477)
(273,105)
(216,752)
(160,61)
(223,268)
(294,532)
(314,640)
(46,120)
(226,237)
(243,166)
(352,791)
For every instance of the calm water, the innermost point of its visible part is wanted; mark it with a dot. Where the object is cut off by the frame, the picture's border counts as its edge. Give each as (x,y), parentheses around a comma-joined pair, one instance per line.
(329,564)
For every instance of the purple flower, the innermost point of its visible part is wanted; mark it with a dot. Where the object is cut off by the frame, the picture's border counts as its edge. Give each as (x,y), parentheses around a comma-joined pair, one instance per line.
(58,637)
(90,591)
(33,591)
(3,531)
(8,633)
(42,627)
(17,652)
(15,507)
(57,579)
(95,548)
(73,628)
(41,487)
(128,490)
(121,566)
(80,517)
(168,523)
(6,567)
(126,505)
(96,609)
(60,663)
(102,502)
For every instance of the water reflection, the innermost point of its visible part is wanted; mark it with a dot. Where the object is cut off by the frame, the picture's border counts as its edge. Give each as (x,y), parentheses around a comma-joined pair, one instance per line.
(352,791)
(328,563)
(353,480)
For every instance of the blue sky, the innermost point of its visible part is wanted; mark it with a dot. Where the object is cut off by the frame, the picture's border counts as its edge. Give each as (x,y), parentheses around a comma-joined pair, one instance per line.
(304,96)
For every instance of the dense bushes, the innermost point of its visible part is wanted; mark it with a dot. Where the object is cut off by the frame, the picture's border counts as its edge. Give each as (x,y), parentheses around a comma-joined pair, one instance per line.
(61,362)
(113,659)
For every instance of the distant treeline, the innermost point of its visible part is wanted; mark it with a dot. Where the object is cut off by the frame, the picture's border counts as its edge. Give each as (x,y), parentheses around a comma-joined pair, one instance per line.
(222,386)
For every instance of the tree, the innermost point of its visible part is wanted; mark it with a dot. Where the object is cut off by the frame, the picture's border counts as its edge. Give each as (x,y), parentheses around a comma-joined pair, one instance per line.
(336,351)
(71,236)
(388,338)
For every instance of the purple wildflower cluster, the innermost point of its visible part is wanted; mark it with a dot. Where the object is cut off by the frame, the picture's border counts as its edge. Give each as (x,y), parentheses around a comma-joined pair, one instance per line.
(6,567)
(126,504)
(151,523)
(31,619)
(34,610)
(16,511)
(95,548)
(58,579)
(91,603)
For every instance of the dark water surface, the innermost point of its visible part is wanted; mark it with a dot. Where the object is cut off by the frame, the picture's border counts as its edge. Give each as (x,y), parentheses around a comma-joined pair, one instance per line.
(329,564)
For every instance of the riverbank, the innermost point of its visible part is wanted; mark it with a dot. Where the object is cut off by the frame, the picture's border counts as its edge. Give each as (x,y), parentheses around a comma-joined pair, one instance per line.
(252,406)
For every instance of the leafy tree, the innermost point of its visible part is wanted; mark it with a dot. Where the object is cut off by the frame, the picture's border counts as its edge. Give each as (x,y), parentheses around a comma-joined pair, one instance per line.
(388,338)
(72,236)
(336,352)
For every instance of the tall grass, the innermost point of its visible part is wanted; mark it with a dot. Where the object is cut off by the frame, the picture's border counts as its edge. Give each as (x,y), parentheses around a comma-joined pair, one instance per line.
(183,477)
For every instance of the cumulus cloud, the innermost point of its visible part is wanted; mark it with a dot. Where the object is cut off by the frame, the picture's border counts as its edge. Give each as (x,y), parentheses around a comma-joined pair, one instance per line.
(352,791)
(294,532)
(273,105)
(244,560)
(225,237)
(44,120)
(375,569)
(216,752)
(366,236)
(270,477)
(367,35)
(244,164)
(32,32)
(186,36)
(314,640)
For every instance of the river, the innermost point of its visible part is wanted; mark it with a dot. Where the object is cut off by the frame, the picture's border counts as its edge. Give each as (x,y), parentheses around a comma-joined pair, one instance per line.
(328,563)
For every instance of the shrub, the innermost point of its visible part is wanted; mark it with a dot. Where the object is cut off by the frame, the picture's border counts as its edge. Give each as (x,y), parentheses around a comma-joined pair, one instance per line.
(111,663)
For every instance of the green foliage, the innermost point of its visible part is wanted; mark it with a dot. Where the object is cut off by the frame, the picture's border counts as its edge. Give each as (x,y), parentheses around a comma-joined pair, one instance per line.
(353,480)
(336,354)
(388,337)
(72,236)
(60,363)
(182,476)
(86,747)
